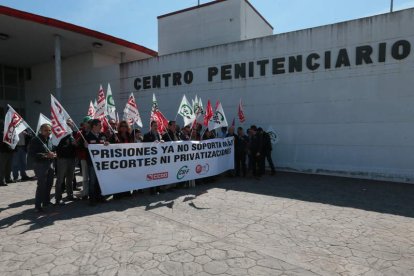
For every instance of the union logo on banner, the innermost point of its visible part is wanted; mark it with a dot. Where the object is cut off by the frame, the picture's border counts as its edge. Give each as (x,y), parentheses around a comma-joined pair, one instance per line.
(9,135)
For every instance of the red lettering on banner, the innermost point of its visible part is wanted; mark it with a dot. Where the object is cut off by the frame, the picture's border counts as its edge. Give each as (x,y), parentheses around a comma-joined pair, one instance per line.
(57,128)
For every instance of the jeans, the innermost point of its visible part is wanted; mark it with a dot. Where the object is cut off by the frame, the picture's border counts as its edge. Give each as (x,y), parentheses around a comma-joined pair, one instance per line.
(5,166)
(44,173)
(19,162)
(66,168)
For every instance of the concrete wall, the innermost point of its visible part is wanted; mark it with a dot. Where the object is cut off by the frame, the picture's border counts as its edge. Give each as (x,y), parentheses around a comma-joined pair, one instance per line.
(219,23)
(81,77)
(355,120)
(252,25)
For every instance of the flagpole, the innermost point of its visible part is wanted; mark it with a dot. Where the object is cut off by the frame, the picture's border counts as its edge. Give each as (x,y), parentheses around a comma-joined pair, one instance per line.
(39,139)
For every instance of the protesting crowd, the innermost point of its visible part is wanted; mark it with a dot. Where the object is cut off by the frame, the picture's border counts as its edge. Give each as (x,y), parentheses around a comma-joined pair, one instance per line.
(59,146)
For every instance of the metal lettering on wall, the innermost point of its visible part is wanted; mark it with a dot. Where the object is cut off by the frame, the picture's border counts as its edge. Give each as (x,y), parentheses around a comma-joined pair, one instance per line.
(399,50)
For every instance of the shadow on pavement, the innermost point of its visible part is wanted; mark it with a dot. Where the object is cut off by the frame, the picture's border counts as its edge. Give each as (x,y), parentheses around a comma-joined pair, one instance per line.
(377,196)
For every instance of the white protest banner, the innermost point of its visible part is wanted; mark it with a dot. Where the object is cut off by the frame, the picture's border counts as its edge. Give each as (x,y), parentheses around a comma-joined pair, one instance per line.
(125,167)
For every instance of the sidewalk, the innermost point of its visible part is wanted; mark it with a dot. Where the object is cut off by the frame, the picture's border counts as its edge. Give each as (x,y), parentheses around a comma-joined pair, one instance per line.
(289,224)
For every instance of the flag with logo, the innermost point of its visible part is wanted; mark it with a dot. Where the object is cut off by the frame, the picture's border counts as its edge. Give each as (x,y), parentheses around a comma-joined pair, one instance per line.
(186,111)
(157,116)
(218,120)
(13,126)
(59,118)
(208,114)
(198,110)
(91,110)
(240,112)
(110,104)
(131,113)
(101,104)
(45,120)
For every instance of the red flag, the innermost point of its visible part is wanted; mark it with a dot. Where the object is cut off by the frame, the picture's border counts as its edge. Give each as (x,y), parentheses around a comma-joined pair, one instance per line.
(91,110)
(157,116)
(241,113)
(101,108)
(105,124)
(209,114)
(162,122)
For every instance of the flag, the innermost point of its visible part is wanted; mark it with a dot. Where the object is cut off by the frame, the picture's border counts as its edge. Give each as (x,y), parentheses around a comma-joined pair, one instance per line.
(95,104)
(42,120)
(13,126)
(157,116)
(198,110)
(131,113)
(110,104)
(91,110)
(59,118)
(186,111)
(218,120)
(208,114)
(45,120)
(101,105)
(105,124)
(240,112)
(233,124)
(117,118)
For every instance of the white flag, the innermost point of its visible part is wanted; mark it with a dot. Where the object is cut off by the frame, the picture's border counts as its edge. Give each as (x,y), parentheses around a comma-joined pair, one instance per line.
(198,110)
(95,104)
(13,126)
(101,104)
(45,120)
(131,113)
(219,118)
(91,110)
(42,120)
(59,118)
(186,111)
(110,104)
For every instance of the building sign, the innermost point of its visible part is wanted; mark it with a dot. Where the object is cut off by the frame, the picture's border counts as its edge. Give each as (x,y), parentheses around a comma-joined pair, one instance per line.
(363,55)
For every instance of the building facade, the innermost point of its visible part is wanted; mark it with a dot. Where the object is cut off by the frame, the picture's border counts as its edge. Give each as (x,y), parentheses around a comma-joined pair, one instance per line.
(340,96)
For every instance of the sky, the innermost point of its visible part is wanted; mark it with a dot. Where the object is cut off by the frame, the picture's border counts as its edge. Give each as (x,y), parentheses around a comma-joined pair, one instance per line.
(136,20)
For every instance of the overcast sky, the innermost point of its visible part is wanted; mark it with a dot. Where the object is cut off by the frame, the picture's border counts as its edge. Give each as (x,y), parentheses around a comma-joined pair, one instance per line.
(136,20)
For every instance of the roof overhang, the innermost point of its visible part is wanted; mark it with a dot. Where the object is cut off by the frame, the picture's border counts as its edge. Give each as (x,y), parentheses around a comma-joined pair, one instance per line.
(29,39)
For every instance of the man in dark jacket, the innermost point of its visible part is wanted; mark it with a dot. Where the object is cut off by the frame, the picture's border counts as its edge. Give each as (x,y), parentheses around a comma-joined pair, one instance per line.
(40,150)
(6,155)
(267,152)
(240,148)
(255,149)
(152,135)
(171,134)
(66,154)
(95,136)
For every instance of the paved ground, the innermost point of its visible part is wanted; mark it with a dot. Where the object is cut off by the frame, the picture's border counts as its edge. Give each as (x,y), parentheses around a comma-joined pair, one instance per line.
(290,224)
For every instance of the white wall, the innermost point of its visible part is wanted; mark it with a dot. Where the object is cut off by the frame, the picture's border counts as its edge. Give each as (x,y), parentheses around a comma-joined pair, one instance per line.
(81,77)
(219,23)
(353,121)
(252,25)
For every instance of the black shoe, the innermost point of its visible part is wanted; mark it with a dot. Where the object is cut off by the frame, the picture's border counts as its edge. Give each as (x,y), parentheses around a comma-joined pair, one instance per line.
(59,203)
(71,198)
(26,178)
(84,197)
(8,181)
(39,210)
(47,204)
(3,184)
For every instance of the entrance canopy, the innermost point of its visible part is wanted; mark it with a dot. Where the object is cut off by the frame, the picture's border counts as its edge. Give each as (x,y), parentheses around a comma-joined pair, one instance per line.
(27,39)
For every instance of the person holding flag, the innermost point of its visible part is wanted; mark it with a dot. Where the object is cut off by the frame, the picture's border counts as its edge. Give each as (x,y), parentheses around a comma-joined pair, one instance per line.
(41,152)
(14,125)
